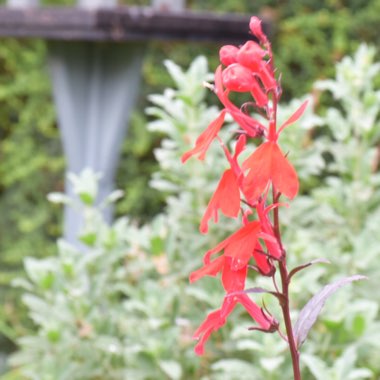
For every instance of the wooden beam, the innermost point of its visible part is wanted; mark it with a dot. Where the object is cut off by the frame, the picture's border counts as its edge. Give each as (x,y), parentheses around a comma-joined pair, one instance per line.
(123,24)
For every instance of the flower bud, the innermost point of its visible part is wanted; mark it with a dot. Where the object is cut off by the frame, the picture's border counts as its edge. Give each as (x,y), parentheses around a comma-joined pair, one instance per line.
(228,54)
(251,55)
(238,78)
(256,29)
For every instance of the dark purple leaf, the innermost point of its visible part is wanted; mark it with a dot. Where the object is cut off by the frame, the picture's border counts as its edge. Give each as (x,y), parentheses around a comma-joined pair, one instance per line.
(312,309)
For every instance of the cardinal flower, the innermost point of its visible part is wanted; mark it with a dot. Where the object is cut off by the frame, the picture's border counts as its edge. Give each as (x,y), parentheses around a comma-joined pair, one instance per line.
(226,198)
(216,319)
(267,164)
(233,283)
(239,246)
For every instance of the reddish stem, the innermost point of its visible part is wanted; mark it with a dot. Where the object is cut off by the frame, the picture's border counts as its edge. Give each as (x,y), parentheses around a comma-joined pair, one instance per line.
(288,322)
(285,281)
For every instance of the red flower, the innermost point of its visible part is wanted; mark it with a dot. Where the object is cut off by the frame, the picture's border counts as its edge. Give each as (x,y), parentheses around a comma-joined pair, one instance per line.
(216,319)
(226,198)
(239,246)
(268,164)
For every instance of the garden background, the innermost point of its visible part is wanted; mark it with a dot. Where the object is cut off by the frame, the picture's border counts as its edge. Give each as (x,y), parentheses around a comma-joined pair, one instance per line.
(308,38)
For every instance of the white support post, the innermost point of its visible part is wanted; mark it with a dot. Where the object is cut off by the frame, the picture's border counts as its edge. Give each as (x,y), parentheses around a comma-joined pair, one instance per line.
(23,3)
(169,5)
(94,4)
(95,88)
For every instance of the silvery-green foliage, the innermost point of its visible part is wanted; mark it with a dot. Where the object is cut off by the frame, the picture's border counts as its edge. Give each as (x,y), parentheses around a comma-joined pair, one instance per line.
(100,312)
(339,220)
(126,306)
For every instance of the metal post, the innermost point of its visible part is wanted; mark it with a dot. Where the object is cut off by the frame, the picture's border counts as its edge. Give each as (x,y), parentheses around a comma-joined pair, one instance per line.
(95,88)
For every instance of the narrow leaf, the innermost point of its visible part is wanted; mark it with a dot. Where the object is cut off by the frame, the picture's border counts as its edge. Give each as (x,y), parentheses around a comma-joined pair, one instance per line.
(303,266)
(312,309)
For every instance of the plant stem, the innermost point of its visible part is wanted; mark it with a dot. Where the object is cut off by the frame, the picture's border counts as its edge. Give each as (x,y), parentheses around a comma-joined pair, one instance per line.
(285,291)
(288,322)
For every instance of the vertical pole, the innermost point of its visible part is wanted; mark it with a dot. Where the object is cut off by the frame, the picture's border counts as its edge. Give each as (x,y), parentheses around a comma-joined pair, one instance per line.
(22,3)
(93,4)
(95,87)
(169,5)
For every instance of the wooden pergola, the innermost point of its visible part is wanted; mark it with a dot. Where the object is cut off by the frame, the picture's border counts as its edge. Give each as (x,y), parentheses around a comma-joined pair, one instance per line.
(95,55)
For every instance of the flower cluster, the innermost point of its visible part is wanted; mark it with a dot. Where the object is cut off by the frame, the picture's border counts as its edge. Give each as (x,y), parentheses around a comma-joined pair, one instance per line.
(250,188)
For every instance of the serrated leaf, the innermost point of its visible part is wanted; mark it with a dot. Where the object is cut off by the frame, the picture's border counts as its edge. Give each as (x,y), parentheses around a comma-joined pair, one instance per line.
(312,309)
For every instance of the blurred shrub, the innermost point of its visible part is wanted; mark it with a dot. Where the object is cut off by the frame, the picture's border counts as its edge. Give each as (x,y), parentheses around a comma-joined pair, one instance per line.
(30,162)
(307,37)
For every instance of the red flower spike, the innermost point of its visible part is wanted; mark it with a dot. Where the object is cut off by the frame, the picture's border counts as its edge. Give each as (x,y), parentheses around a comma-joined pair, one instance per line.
(251,55)
(226,198)
(256,29)
(228,54)
(267,163)
(238,78)
(238,246)
(205,139)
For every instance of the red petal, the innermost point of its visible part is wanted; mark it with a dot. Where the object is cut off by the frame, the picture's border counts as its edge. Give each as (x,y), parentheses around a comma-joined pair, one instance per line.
(268,163)
(232,280)
(226,198)
(245,233)
(210,269)
(254,311)
(296,115)
(228,54)
(262,262)
(205,139)
(284,176)
(240,249)
(256,29)
(238,78)
(259,163)
(214,321)
(251,55)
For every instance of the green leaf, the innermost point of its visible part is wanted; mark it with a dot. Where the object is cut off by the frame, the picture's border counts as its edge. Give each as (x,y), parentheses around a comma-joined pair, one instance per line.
(171,368)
